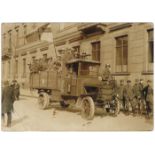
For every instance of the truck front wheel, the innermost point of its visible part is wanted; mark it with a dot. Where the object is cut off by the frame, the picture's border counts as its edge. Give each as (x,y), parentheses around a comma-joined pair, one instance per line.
(87,108)
(43,100)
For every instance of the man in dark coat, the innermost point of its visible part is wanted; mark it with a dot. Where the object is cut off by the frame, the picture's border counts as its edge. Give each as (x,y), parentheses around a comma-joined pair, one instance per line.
(148,94)
(7,102)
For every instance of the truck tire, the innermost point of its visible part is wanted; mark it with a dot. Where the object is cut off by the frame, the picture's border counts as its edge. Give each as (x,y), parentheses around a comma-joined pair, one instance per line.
(87,108)
(43,100)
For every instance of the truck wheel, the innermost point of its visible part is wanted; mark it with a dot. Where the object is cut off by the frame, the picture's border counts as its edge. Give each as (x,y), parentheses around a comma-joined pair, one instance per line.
(43,100)
(87,108)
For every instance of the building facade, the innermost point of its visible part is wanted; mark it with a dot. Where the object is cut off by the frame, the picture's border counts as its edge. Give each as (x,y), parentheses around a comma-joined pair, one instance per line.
(127,47)
(21,44)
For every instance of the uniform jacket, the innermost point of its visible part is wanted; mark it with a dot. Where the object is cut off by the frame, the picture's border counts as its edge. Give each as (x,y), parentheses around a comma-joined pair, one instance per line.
(148,93)
(7,99)
(120,92)
(128,92)
(136,90)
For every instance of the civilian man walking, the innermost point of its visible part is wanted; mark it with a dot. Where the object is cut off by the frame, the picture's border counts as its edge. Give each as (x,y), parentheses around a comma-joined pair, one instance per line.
(7,102)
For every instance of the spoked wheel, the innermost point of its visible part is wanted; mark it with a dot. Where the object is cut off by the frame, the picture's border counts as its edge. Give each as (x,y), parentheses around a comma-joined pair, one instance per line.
(87,108)
(43,100)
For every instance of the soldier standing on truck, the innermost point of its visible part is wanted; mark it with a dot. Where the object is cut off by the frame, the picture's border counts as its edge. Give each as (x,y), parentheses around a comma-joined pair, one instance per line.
(107,73)
(50,64)
(43,64)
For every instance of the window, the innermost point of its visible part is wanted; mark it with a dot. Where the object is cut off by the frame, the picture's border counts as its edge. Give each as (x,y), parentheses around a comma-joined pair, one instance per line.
(16,68)
(96,51)
(121,54)
(150,46)
(24,67)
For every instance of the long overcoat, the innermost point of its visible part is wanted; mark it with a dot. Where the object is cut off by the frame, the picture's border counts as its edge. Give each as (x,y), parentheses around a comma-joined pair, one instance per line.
(7,99)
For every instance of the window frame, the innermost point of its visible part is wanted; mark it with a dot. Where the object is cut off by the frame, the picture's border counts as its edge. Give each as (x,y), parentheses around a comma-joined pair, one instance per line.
(122,47)
(97,51)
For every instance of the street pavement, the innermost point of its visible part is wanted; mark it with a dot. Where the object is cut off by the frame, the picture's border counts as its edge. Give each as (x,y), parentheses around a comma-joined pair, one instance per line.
(28,117)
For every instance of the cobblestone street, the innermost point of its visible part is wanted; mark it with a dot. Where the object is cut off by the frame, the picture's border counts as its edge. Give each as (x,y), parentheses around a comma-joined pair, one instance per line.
(28,117)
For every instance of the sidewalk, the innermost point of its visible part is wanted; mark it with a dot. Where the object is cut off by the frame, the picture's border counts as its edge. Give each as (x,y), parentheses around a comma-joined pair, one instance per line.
(27,92)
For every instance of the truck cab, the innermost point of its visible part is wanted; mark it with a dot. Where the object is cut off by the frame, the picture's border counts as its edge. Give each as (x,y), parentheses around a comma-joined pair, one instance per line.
(81,79)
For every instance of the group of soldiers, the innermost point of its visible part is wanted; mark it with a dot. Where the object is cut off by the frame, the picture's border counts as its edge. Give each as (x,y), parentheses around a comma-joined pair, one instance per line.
(43,64)
(135,98)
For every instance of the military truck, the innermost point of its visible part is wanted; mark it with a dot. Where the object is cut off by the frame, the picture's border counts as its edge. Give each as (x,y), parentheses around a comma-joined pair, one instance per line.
(79,86)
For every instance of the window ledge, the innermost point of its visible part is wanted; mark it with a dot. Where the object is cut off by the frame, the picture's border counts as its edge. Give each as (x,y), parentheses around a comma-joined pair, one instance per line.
(147,73)
(121,74)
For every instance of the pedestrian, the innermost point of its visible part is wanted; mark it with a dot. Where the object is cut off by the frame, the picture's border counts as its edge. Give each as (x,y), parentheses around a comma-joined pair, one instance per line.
(16,90)
(148,94)
(7,102)
(128,93)
(120,93)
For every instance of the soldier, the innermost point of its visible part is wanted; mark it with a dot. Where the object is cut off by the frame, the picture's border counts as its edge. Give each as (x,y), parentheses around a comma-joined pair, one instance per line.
(43,63)
(50,63)
(34,67)
(120,92)
(107,73)
(137,94)
(128,93)
(7,102)
(148,94)
(142,104)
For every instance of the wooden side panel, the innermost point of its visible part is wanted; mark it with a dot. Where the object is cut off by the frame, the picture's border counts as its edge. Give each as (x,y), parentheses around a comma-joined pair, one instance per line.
(35,80)
(52,80)
(43,79)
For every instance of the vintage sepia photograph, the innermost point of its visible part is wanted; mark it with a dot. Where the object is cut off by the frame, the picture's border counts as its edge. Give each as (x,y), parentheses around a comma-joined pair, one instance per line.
(77,76)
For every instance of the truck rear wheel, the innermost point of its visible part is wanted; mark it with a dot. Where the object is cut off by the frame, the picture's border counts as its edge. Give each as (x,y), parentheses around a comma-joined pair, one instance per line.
(43,100)
(87,108)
